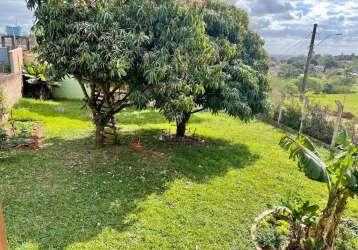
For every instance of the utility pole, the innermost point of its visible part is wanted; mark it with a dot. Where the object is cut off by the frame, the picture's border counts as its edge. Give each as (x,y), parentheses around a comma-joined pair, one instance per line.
(305,77)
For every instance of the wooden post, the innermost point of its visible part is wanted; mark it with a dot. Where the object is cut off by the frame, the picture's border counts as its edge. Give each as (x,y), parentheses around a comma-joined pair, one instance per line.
(340,108)
(3,241)
(305,77)
(280,110)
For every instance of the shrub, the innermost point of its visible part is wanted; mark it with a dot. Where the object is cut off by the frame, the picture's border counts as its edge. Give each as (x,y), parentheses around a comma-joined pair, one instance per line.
(331,88)
(6,68)
(316,125)
(272,232)
(314,84)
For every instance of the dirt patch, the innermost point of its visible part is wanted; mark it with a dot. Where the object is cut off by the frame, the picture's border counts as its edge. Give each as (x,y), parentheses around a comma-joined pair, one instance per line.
(186,140)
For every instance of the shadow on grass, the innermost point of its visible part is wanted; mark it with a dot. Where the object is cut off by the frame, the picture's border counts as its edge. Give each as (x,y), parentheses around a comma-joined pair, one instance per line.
(69,192)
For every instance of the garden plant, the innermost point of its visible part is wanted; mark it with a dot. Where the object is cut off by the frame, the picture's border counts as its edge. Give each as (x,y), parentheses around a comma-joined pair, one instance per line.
(341,178)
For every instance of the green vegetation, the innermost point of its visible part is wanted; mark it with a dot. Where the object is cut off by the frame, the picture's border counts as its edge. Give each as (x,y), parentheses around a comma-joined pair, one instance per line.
(350,101)
(273,232)
(15,134)
(37,82)
(340,174)
(73,196)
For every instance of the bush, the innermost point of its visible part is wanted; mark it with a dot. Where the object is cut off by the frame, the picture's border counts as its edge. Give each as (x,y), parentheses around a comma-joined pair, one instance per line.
(331,88)
(348,236)
(316,125)
(291,116)
(6,68)
(314,84)
(272,232)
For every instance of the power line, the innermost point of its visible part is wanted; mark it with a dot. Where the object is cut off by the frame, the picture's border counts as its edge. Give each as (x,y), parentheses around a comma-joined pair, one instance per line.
(327,37)
(298,44)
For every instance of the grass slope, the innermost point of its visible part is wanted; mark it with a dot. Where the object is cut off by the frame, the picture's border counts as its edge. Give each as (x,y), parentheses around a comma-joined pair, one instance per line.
(72,196)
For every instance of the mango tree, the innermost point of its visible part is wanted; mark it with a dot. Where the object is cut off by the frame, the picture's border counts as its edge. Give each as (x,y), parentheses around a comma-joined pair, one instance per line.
(229,77)
(340,176)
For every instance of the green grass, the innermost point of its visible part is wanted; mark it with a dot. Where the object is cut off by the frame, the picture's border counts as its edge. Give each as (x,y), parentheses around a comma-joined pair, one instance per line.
(350,101)
(69,195)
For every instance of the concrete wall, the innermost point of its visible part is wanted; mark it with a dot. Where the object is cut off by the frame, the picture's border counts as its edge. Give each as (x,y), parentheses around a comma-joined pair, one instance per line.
(11,85)
(16,60)
(69,89)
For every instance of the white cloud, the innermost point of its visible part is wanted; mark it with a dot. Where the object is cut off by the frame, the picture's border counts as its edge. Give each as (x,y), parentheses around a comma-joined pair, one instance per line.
(285,22)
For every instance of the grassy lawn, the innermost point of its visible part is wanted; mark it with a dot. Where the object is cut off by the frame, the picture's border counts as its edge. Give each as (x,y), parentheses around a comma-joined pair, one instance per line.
(350,101)
(69,195)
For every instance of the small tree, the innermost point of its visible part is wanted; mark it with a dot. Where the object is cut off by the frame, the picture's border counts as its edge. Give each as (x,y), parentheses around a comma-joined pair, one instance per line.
(85,39)
(340,176)
(229,76)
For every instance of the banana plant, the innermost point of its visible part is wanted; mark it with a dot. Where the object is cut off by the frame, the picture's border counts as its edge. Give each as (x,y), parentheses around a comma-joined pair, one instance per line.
(37,81)
(340,175)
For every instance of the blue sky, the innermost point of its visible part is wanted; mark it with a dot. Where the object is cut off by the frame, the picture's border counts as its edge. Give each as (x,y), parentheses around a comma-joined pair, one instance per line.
(284,24)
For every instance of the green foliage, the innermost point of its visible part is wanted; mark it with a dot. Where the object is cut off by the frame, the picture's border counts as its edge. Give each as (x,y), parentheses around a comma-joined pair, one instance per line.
(303,151)
(6,68)
(302,215)
(331,88)
(348,236)
(121,49)
(3,136)
(230,76)
(296,209)
(317,123)
(314,84)
(341,177)
(20,132)
(272,232)
(288,71)
(36,74)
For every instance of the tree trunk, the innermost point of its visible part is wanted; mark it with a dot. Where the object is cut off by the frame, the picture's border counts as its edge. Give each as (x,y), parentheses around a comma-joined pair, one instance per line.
(326,216)
(99,135)
(181,125)
(3,241)
(332,233)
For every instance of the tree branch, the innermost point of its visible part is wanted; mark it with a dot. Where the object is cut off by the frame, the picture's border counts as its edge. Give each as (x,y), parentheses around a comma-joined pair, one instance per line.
(80,81)
(197,111)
